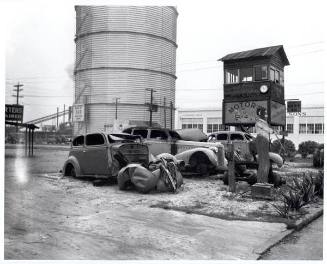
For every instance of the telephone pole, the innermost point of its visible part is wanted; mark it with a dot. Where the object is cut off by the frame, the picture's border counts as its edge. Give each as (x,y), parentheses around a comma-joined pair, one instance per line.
(17,90)
(151,103)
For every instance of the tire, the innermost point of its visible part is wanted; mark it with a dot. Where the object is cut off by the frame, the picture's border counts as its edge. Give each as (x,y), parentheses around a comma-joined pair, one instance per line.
(70,171)
(277,180)
(200,163)
(202,169)
(252,179)
(225,178)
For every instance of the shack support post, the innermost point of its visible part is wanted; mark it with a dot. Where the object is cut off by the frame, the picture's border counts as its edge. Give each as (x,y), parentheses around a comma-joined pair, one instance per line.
(32,141)
(231,167)
(262,144)
(26,141)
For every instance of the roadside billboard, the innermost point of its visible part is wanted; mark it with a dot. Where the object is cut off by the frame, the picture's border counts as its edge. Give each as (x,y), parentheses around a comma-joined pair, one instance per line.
(14,112)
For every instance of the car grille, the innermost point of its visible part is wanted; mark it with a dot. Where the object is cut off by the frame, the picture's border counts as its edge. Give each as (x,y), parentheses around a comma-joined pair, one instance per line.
(135,153)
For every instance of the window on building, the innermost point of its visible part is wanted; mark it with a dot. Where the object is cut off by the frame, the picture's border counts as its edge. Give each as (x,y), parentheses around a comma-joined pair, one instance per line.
(221,127)
(209,128)
(302,129)
(318,129)
(310,128)
(290,128)
(272,74)
(276,76)
(232,76)
(281,78)
(261,72)
(192,123)
(246,74)
(94,139)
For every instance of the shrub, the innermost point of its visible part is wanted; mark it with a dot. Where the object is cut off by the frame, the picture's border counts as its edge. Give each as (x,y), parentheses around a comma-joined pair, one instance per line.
(307,147)
(319,184)
(296,195)
(287,151)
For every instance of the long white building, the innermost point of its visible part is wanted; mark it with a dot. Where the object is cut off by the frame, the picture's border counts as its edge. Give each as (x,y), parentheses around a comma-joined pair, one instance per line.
(302,126)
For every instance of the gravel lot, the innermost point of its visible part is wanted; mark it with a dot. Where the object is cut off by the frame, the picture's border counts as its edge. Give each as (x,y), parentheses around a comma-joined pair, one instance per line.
(35,191)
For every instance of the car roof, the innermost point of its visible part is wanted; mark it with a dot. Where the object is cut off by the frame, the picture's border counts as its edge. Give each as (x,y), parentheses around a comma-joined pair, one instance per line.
(144,127)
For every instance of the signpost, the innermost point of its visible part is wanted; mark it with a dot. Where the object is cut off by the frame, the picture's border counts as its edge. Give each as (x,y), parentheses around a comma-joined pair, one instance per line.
(78,112)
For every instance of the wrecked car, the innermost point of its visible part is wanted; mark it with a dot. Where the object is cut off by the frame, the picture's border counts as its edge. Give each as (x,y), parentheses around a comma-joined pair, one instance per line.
(199,157)
(238,138)
(98,154)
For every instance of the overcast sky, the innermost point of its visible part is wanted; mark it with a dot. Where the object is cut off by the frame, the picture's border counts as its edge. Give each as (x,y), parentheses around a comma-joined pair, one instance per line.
(40,49)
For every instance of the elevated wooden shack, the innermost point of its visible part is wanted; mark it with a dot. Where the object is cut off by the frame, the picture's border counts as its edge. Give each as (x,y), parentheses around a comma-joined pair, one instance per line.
(254,86)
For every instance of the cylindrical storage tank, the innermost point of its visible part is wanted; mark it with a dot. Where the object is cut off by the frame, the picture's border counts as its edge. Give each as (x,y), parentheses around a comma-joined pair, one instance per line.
(122,52)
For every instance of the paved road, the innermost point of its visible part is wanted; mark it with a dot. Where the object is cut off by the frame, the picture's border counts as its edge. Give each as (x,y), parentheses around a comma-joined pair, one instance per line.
(48,217)
(307,244)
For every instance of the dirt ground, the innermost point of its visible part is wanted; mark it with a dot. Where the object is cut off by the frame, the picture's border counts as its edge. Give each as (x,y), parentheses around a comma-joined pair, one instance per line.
(37,197)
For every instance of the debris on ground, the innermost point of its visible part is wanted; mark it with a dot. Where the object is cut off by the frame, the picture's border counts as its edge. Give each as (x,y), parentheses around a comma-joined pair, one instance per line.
(163,175)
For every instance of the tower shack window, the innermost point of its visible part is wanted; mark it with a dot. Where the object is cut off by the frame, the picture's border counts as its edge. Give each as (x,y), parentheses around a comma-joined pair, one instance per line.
(261,72)
(246,74)
(272,74)
(232,76)
(277,76)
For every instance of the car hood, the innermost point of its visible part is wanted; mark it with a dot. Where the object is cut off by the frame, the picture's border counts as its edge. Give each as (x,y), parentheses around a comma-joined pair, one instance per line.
(192,134)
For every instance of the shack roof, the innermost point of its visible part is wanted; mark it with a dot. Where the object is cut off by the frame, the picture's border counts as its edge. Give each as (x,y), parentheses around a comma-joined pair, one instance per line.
(257,53)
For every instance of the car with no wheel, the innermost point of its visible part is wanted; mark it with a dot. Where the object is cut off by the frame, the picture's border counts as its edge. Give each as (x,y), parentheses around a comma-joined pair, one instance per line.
(97,154)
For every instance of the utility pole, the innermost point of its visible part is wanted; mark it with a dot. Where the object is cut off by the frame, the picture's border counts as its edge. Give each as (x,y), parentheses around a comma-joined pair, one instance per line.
(171,114)
(17,90)
(57,117)
(165,118)
(151,103)
(116,107)
(64,113)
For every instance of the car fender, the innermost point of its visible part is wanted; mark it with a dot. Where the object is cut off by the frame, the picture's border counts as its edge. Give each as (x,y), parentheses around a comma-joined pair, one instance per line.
(275,158)
(187,154)
(72,160)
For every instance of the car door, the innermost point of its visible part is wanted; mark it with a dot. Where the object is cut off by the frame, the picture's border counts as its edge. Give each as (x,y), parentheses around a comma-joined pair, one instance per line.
(158,142)
(95,155)
(240,143)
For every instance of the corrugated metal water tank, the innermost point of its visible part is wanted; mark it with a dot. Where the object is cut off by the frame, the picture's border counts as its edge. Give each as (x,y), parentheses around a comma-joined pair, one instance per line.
(123,51)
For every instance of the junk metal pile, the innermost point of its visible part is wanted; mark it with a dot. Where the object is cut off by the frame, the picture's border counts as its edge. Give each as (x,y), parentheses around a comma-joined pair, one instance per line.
(162,174)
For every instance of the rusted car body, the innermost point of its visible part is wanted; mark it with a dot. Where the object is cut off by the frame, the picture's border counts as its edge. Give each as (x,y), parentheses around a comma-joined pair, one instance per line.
(203,157)
(94,154)
(239,139)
